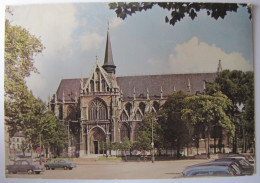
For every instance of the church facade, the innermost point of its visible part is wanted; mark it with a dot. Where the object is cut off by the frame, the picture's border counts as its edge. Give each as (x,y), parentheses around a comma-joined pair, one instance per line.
(104,107)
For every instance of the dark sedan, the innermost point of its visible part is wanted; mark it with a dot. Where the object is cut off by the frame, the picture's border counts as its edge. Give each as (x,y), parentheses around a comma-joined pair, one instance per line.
(212,169)
(245,167)
(195,171)
(24,166)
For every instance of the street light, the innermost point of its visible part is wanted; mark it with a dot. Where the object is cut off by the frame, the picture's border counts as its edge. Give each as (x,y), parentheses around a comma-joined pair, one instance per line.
(152,144)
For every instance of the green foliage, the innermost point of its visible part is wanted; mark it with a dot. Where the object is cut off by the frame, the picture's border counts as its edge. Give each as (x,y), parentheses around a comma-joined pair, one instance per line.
(208,110)
(20,49)
(28,114)
(145,133)
(178,10)
(126,144)
(175,131)
(239,87)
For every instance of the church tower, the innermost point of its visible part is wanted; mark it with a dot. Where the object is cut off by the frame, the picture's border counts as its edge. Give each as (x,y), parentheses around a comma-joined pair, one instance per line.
(108,60)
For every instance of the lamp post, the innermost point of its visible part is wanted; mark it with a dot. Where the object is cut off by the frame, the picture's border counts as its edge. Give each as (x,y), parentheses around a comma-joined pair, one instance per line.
(152,144)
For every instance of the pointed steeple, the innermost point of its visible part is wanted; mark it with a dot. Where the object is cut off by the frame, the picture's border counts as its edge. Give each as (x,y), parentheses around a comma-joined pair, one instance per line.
(219,66)
(108,61)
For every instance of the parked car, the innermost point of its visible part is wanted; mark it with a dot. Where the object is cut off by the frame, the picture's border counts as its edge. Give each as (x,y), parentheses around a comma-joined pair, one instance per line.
(211,170)
(60,163)
(245,167)
(223,168)
(246,157)
(25,166)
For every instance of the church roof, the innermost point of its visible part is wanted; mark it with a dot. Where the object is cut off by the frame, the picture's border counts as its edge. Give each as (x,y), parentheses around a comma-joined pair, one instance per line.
(70,88)
(169,83)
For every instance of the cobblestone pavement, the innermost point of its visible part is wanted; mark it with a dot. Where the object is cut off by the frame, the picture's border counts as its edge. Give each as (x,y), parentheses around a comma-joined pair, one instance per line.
(116,170)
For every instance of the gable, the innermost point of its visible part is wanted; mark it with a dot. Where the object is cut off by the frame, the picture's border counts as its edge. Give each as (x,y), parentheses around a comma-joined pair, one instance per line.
(98,80)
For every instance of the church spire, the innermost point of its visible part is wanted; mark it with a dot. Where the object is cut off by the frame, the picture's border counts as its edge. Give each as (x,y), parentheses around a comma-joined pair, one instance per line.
(108,61)
(219,66)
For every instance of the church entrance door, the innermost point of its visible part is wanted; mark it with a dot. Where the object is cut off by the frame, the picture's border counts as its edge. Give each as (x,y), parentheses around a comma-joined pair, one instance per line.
(97,136)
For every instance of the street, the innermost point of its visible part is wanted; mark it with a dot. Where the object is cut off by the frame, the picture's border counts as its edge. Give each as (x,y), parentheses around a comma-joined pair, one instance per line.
(116,170)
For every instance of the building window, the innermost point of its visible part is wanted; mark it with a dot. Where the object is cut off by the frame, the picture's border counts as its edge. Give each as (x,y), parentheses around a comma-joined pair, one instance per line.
(124,116)
(97,110)
(156,106)
(142,107)
(61,112)
(91,86)
(103,85)
(136,132)
(138,116)
(128,108)
(124,132)
(71,113)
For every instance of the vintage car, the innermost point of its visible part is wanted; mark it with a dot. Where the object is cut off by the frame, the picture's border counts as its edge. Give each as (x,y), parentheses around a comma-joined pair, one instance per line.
(212,169)
(60,163)
(245,167)
(24,166)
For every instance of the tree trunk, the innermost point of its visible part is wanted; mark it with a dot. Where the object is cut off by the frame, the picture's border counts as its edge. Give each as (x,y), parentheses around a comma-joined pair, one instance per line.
(178,148)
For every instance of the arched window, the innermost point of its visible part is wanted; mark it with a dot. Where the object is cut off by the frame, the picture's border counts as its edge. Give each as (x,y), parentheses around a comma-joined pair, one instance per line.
(124,117)
(142,107)
(138,116)
(128,108)
(61,112)
(103,85)
(97,86)
(156,106)
(124,132)
(71,113)
(91,86)
(97,110)
(136,132)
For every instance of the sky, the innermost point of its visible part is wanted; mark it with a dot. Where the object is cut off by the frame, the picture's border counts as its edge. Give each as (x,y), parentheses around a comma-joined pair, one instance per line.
(75,33)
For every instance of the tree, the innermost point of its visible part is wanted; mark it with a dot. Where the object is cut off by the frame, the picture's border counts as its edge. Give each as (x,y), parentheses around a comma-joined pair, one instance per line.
(115,146)
(175,131)
(208,112)
(145,133)
(178,9)
(125,145)
(20,48)
(238,86)
(27,113)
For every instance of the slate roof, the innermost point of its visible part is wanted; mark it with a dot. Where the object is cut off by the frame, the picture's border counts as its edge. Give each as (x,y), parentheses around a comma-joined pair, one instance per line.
(168,82)
(18,134)
(70,87)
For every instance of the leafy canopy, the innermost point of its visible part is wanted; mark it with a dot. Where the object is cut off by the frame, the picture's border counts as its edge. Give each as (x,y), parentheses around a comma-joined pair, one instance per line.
(178,9)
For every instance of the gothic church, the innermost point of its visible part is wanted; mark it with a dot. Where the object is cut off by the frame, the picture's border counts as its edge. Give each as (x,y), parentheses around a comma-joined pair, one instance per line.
(107,108)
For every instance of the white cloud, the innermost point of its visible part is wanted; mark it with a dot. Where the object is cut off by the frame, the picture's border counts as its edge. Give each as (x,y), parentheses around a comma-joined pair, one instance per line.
(38,85)
(116,22)
(89,41)
(195,56)
(54,24)
(154,62)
